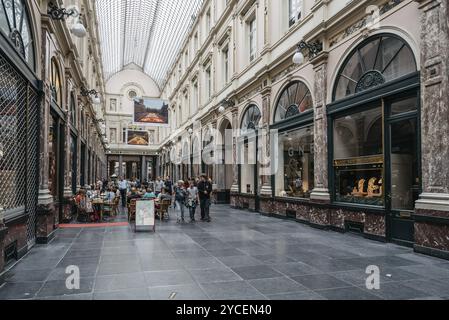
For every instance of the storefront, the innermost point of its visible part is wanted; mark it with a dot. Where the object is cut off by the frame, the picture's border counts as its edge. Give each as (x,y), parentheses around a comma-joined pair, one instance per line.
(373,147)
(374,133)
(293,120)
(20,91)
(249,181)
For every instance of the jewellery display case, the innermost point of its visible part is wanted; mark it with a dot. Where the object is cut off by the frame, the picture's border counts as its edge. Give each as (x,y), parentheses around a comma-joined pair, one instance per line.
(360,180)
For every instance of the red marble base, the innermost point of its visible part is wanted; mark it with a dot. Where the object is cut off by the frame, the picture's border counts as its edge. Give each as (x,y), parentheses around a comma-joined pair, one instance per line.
(432,232)
(14,233)
(320,215)
(3,233)
(46,223)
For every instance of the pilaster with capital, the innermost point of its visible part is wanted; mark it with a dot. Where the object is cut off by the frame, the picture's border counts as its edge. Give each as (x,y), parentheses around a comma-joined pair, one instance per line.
(235,170)
(321,191)
(431,229)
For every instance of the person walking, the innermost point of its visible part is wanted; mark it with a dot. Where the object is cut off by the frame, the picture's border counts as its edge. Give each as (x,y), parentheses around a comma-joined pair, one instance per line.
(123,187)
(180,198)
(192,200)
(158,186)
(205,190)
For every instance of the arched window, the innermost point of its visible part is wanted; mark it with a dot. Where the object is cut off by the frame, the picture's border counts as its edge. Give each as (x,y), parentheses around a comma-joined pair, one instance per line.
(16,24)
(56,89)
(376,61)
(250,119)
(294,100)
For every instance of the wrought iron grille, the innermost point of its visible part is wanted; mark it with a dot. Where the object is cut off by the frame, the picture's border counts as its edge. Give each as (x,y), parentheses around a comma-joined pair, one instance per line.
(32,163)
(19,143)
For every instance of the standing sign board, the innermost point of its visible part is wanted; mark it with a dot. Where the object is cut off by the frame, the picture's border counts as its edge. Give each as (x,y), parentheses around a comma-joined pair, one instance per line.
(145,217)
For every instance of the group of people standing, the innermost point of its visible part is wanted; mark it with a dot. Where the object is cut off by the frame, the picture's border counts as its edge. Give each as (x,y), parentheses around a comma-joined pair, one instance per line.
(191,194)
(186,195)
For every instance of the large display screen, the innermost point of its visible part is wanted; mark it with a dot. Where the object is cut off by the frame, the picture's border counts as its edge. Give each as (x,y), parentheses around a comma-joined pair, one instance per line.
(150,112)
(138,138)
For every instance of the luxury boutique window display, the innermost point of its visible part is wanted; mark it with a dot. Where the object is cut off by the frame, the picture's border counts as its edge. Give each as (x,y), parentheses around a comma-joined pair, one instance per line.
(295,163)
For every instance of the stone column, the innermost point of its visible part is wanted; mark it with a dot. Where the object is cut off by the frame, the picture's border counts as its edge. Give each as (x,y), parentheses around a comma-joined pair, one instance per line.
(235,168)
(67,167)
(46,211)
(321,191)
(120,166)
(265,145)
(143,164)
(432,209)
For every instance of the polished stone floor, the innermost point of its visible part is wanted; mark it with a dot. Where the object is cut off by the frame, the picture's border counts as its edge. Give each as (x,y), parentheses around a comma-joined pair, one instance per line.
(240,255)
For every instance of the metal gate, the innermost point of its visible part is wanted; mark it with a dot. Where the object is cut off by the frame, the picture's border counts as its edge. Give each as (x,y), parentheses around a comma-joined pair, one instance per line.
(19,146)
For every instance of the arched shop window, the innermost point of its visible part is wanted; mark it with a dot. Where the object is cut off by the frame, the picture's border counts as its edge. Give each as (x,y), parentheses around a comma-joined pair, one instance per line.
(366,170)
(248,149)
(374,62)
(15,23)
(56,89)
(294,100)
(250,119)
(294,177)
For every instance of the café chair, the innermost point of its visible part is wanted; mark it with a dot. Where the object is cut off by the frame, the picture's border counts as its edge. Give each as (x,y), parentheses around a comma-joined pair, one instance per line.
(132,210)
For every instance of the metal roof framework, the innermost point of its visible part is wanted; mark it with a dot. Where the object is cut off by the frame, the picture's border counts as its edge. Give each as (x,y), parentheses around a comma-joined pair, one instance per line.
(147,33)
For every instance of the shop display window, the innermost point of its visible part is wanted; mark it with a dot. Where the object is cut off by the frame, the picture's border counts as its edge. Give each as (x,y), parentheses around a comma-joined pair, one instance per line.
(359,158)
(295,170)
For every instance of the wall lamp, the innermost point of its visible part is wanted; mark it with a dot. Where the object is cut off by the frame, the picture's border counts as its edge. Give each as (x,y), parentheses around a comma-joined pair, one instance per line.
(227,103)
(93,93)
(56,13)
(314,49)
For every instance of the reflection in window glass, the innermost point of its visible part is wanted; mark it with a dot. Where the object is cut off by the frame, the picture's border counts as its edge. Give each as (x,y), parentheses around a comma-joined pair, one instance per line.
(295,169)
(405,179)
(404,106)
(358,158)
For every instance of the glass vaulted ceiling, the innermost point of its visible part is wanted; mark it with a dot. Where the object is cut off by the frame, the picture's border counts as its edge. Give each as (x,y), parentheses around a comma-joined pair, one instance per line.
(148,33)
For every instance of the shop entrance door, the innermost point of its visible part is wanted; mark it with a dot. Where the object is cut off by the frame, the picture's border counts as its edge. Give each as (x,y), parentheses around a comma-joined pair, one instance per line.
(403,182)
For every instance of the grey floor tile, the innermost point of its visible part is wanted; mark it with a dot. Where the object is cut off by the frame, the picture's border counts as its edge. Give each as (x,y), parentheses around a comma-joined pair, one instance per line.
(277,286)
(19,290)
(58,288)
(215,275)
(120,282)
(129,294)
(86,271)
(256,272)
(397,291)
(436,288)
(295,269)
(27,276)
(296,296)
(168,278)
(350,293)
(181,292)
(230,290)
(200,263)
(240,261)
(320,282)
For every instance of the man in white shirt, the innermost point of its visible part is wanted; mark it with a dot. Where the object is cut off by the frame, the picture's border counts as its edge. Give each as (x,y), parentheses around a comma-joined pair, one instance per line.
(123,187)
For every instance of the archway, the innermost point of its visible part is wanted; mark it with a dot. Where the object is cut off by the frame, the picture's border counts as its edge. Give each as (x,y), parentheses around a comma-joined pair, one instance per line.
(224,166)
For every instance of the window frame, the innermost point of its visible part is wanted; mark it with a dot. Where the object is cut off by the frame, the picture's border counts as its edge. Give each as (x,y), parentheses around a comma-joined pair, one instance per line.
(356,50)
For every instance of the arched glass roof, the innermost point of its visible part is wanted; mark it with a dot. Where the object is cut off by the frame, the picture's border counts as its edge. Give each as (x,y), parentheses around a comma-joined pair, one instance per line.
(148,33)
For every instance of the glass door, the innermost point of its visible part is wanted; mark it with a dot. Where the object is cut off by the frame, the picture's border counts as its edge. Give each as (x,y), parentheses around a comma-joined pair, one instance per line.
(404,180)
